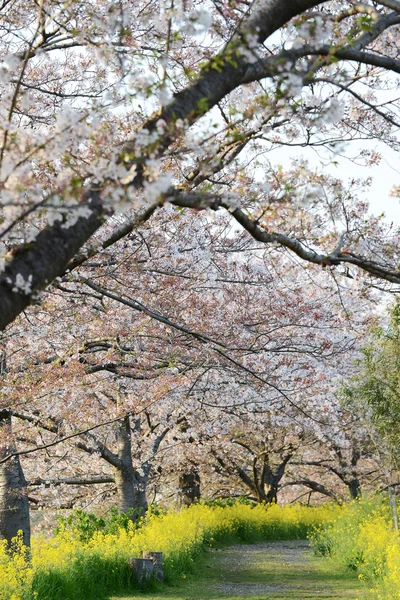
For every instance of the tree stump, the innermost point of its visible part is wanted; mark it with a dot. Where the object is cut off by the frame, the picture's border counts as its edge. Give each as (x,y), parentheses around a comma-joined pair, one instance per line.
(156,559)
(142,567)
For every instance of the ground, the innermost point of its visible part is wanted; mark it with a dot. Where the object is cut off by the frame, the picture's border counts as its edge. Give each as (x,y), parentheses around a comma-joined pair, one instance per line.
(268,571)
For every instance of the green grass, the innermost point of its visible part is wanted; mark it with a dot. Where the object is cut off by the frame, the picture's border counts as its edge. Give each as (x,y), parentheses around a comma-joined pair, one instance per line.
(268,571)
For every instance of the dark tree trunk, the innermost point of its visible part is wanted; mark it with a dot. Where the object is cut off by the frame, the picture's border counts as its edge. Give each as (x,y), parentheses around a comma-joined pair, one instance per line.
(354,488)
(189,487)
(272,495)
(131,488)
(124,474)
(14,503)
(271,477)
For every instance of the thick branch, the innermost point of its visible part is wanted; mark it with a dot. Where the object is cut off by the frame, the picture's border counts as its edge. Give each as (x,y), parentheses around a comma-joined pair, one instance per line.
(315,486)
(269,237)
(101,449)
(48,257)
(41,262)
(95,480)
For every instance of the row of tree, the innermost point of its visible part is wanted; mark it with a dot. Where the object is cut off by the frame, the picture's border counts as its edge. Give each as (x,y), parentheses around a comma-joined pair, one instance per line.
(172,299)
(226,369)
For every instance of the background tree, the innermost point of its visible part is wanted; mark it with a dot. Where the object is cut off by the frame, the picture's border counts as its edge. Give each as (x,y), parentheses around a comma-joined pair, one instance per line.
(274,342)
(376,384)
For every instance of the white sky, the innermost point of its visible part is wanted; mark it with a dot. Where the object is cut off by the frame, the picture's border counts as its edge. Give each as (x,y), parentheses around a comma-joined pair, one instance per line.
(384,176)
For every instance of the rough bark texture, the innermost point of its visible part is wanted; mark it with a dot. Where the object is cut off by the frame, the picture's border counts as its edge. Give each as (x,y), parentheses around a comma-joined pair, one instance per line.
(44,260)
(14,503)
(140,495)
(131,488)
(125,475)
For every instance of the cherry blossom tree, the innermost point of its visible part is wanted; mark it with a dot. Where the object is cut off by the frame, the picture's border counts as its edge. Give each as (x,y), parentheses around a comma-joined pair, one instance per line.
(339,464)
(122,108)
(136,172)
(261,461)
(238,326)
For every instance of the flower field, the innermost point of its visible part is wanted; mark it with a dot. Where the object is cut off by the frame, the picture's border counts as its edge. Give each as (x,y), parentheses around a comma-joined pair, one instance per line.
(358,536)
(361,537)
(64,567)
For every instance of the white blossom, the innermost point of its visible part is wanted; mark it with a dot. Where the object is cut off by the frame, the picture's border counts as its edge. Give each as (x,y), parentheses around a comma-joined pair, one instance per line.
(11,61)
(155,189)
(199,21)
(334,112)
(22,285)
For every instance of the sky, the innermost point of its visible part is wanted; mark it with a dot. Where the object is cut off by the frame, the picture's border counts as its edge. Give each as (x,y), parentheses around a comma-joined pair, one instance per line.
(384,176)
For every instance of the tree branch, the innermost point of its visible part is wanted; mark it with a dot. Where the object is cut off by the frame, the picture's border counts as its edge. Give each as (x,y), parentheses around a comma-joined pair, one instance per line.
(189,104)
(71,481)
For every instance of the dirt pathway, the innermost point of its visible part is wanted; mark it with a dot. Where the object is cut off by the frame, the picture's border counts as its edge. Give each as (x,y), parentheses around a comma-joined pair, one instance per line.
(275,570)
(268,571)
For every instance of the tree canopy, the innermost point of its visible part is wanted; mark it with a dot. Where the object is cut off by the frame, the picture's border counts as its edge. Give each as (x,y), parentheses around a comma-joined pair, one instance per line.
(172,297)
(121,108)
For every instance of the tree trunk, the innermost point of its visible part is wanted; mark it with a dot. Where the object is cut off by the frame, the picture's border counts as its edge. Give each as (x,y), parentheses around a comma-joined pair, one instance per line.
(124,479)
(125,475)
(131,489)
(271,477)
(14,503)
(272,495)
(140,492)
(354,488)
(189,487)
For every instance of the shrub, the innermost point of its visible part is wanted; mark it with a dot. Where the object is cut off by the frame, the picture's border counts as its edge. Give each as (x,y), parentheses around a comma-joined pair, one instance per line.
(84,524)
(362,538)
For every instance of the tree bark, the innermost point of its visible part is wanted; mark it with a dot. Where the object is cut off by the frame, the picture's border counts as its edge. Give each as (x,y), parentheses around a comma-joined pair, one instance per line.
(140,494)
(124,474)
(272,494)
(131,487)
(354,488)
(189,487)
(14,503)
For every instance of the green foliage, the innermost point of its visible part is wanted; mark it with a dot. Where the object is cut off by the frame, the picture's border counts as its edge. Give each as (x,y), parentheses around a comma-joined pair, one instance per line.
(351,538)
(84,524)
(65,567)
(365,22)
(229,501)
(377,384)
(89,577)
(362,539)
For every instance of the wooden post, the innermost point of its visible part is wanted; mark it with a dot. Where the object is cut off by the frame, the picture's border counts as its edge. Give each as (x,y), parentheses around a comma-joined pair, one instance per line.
(156,559)
(142,567)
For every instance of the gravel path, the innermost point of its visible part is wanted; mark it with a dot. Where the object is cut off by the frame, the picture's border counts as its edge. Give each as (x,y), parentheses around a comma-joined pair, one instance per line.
(239,559)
